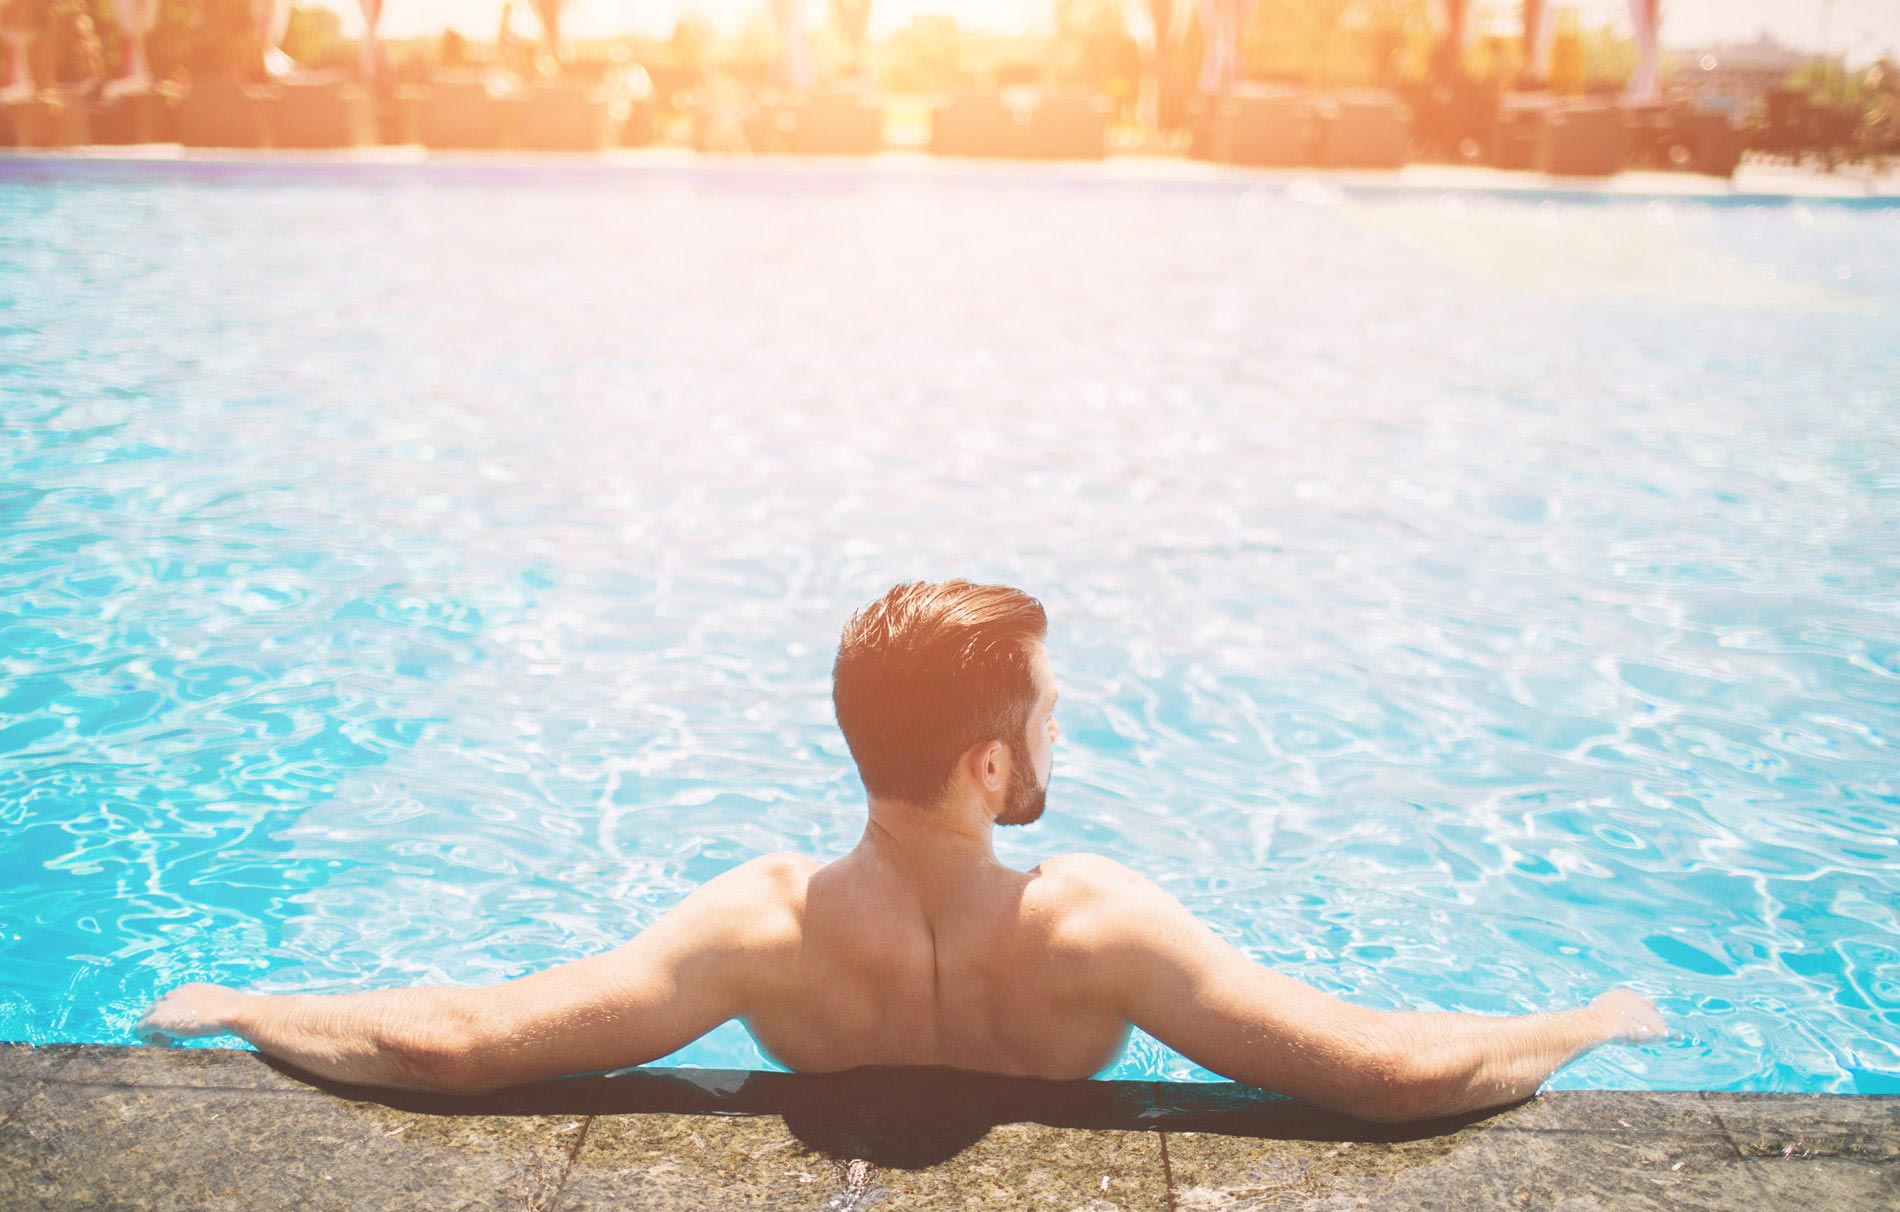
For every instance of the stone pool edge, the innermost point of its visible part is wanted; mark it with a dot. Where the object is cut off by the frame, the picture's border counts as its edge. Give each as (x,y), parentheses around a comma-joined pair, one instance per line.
(87,1126)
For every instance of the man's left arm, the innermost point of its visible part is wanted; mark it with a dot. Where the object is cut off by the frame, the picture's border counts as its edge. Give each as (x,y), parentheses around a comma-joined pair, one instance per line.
(690,971)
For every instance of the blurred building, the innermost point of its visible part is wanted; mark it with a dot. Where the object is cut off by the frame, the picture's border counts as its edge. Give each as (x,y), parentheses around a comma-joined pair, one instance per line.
(1731,76)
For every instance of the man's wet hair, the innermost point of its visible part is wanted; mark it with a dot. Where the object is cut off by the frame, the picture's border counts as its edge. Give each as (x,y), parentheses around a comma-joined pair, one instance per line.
(926,671)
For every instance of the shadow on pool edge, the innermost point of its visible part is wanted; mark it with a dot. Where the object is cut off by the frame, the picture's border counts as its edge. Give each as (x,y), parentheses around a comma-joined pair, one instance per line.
(912,1118)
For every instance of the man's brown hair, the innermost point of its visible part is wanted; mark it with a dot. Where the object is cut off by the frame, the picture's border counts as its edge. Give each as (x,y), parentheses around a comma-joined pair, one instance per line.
(928,670)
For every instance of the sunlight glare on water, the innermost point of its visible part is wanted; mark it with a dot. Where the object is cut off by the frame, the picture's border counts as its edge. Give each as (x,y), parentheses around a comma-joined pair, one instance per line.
(1461,602)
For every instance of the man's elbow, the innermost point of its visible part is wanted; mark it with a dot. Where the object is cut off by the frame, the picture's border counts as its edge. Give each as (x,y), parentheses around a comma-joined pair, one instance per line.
(1404,1084)
(441,1060)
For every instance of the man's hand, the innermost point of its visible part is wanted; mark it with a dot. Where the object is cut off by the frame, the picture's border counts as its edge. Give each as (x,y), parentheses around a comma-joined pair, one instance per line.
(187,1012)
(1628,1015)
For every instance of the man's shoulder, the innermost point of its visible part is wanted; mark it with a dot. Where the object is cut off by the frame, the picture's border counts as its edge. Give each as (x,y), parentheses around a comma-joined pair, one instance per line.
(784,866)
(1098,919)
(1091,893)
(1083,874)
(762,897)
(779,876)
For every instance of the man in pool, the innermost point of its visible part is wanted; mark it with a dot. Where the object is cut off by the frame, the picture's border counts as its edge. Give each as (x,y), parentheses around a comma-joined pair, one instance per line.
(919,947)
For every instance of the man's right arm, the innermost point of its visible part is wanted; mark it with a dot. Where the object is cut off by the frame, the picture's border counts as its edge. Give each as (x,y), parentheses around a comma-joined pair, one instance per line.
(1177,980)
(699,965)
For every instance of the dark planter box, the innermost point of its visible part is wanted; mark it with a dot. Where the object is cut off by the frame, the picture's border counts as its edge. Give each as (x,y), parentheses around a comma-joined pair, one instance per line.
(1362,130)
(461,114)
(399,116)
(53,118)
(1045,127)
(149,116)
(1715,146)
(837,123)
(1518,134)
(1257,126)
(25,123)
(1583,142)
(323,115)
(641,127)
(1065,128)
(225,113)
(570,117)
(972,125)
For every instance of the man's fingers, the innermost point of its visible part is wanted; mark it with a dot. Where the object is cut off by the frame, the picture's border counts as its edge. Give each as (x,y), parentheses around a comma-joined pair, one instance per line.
(148,1030)
(1630,1016)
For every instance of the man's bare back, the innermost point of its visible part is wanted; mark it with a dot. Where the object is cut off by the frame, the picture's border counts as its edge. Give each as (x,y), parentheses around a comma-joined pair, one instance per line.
(986,974)
(920,948)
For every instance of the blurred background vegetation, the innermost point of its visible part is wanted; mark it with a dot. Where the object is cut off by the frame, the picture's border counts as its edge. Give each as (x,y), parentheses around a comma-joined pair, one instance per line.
(1096,46)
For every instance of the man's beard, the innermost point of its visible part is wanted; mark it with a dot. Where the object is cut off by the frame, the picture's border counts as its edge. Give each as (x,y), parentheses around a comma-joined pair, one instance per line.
(1023,802)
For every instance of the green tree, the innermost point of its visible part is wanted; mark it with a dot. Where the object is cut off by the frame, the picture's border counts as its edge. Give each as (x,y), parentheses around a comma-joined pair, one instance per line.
(203,38)
(925,56)
(72,45)
(315,38)
(1327,41)
(1093,47)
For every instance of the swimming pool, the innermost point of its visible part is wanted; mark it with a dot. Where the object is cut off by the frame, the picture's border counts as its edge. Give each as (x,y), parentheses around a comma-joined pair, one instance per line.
(415,574)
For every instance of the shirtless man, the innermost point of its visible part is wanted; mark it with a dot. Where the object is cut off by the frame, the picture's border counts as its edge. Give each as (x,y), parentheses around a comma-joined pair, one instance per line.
(919,947)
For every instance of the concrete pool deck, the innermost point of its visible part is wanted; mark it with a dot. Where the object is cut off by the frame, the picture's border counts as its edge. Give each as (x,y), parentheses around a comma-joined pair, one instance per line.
(96,1126)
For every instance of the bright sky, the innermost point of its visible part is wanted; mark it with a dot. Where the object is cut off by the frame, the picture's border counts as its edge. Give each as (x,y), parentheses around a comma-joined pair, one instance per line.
(1860,28)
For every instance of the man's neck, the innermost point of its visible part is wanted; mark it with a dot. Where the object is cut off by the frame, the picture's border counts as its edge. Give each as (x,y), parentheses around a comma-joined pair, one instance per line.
(925,842)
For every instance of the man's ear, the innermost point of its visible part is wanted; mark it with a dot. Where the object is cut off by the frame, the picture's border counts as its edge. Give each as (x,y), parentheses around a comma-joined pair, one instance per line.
(986,763)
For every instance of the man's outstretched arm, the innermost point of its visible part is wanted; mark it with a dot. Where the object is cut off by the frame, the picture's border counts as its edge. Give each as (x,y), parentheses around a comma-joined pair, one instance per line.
(401,1038)
(1176,979)
(686,974)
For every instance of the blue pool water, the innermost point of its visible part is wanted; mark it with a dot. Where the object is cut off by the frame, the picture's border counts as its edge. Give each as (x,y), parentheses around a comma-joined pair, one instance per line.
(1464,602)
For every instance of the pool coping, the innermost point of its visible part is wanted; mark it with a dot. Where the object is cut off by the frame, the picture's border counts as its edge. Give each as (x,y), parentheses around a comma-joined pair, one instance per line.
(89,1125)
(1753,184)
